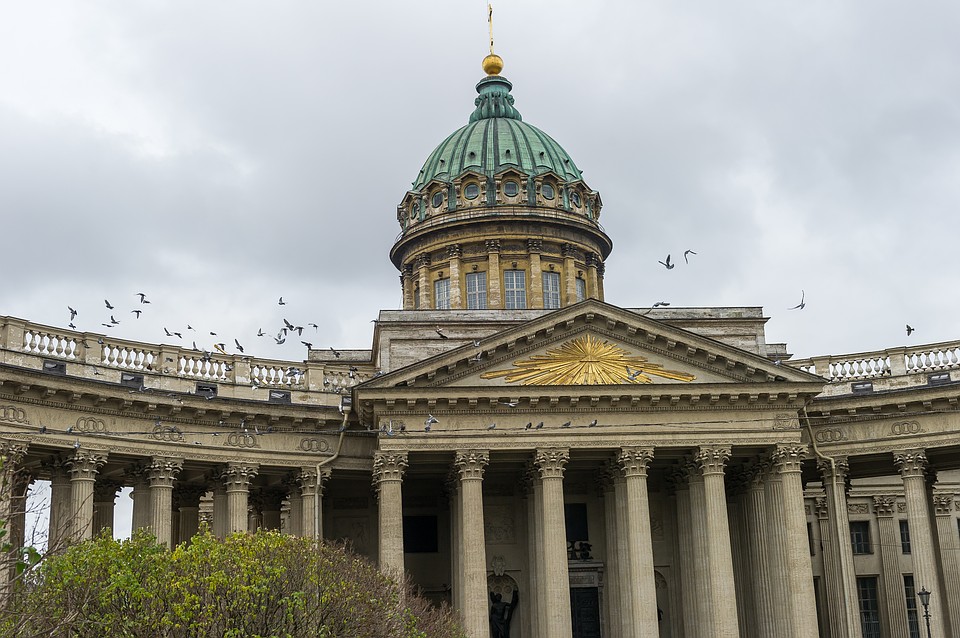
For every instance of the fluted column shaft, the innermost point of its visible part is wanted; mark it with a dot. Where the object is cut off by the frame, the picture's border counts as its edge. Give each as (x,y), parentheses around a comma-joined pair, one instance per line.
(569,274)
(140,495)
(633,463)
(189,498)
(295,513)
(388,469)
(556,612)
(84,466)
(236,479)
(541,571)
(455,253)
(700,556)
(803,603)
(473,561)
(913,470)
(719,564)
(624,572)
(688,570)
(841,579)
(220,518)
(494,294)
(895,599)
(104,503)
(162,472)
(950,555)
(765,615)
(776,552)
(311,493)
(456,538)
(59,527)
(12,495)
(743,579)
(534,246)
(611,563)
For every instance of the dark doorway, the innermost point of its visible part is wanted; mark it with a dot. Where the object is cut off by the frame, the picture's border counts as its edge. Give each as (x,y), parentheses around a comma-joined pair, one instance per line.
(585,610)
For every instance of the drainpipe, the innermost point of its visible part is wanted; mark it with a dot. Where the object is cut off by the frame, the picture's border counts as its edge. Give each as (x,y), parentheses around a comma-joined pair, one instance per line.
(317,532)
(845,563)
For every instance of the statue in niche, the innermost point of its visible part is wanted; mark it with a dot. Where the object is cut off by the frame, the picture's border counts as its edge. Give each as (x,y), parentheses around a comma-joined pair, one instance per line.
(501,613)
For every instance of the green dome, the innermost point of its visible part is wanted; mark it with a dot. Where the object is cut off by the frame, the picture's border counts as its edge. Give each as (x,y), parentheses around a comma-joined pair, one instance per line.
(496,139)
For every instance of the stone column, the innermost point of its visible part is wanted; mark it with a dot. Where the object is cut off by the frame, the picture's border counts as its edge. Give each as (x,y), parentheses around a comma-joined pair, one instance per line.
(895,608)
(452,488)
(162,471)
(534,247)
(529,612)
(913,469)
(423,280)
(84,466)
(236,481)
(742,572)
(611,559)
(540,593)
(803,603)
(950,555)
(841,580)
(687,570)
(309,485)
(700,535)
(295,514)
(270,512)
(473,562)
(104,503)
(407,285)
(624,574)
(12,495)
(494,294)
(388,469)
(754,513)
(593,285)
(569,253)
(22,480)
(140,495)
(722,602)
(633,463)
(58,530)
(555,619)
(455,254)
(221,522)
(776,552)
(601,268)
(189,498)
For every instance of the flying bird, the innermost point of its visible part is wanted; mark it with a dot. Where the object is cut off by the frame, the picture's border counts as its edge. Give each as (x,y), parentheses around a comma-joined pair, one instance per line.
(314,326)
(335,353)
(136,312)
(113,321)
(143,297)
(510,404)
(239,347)
(169,334)
(666,264)
(308,344)
(439,331)
(430,420)
(71,326)
(261,333)
(107,303)
(803,303)
(661,303)
(910,329)
(279,340)
(73,313)
(687,252)
(281,302)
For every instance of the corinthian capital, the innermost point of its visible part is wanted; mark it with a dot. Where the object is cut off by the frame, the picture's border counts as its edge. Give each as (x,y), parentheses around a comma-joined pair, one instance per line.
(163,469)
(883,505)
(943,504)
(85,464)
(389,466)
(787,458)
(911,463)
(712,459)
(550,462)
(470,464)
(634,460)
(237,476)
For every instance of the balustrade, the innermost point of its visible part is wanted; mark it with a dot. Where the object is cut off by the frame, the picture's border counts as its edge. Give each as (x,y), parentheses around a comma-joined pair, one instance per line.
(935,357)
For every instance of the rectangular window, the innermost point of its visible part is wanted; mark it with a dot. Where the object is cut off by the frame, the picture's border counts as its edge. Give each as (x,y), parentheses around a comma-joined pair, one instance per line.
(581,289)
(441,294)
(869,606)
(913,618)
(551,290)
(515,289)
(476,290)
(905,537)
(860,537)
(416,298)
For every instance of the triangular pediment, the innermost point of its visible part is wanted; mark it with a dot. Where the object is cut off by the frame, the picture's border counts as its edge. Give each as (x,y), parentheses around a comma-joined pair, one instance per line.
(593,344)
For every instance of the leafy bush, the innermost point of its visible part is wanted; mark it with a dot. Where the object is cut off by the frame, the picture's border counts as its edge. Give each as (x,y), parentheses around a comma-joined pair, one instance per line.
(263,584)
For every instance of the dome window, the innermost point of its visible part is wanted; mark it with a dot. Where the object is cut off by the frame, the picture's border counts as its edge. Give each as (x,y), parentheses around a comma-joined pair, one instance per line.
(437,200)
(472,191)
(414,210)
(575,198)
(547,191)
(511,188)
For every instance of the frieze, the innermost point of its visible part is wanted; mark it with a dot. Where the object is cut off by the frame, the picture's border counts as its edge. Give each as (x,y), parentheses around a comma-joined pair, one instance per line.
(786,422)
(242,440)
(858,508)
(901,428)
(167,433)
(14,414)
(829,435)
(313,444)
(91,424)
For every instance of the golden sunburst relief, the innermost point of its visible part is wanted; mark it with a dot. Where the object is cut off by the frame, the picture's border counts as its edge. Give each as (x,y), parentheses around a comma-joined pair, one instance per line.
(585,361)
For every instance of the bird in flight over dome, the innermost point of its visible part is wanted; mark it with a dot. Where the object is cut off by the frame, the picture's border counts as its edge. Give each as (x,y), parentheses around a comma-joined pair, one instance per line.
(107,304)
(687,252)
(667,264)
(910,329)
(281,302)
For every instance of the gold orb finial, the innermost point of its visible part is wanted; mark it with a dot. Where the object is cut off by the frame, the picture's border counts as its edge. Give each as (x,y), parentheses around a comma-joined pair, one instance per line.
(492,64)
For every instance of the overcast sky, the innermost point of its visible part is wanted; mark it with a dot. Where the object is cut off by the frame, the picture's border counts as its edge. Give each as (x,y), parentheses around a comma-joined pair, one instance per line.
(218,155)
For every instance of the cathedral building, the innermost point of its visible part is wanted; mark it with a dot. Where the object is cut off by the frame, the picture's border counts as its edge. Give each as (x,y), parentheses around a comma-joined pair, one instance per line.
(512,436)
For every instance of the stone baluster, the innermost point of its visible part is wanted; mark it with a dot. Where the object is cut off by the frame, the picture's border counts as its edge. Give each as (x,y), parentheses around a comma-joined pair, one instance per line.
(895,609)
(162,472)
(633,463)
(83,466)
(944,508)
(555,617)
(719,564)
(913,470)
(473,561)
(104,503)
(388,469)
(843,607)
(236,480)
(494,294)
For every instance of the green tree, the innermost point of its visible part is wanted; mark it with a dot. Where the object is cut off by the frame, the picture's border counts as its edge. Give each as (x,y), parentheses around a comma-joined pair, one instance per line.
(265,585)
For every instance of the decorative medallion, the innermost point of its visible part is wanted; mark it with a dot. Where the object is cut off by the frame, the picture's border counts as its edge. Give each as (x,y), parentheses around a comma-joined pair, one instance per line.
(585,361)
